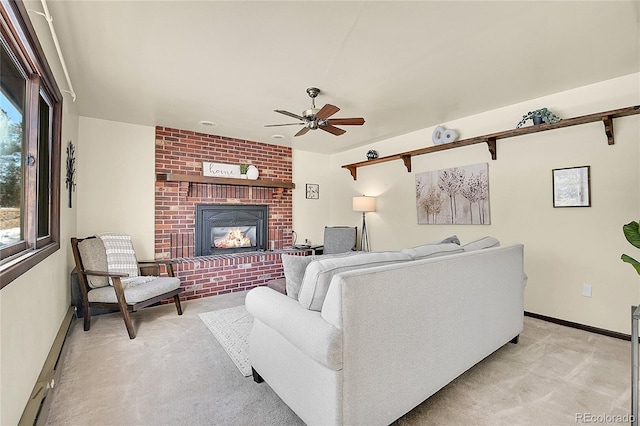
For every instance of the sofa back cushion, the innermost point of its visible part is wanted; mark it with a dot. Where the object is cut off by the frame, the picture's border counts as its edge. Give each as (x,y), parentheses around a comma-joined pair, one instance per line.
(433,250)
(452,239)
(482,243)
(295,266)
(319,273)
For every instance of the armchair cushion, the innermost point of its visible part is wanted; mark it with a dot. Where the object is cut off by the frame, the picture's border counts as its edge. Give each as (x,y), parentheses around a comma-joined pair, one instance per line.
(94,258)
(136,293)
(120,254)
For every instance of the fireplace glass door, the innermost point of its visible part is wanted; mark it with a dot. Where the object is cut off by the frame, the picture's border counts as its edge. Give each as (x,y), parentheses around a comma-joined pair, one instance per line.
(224,237)
(223,228)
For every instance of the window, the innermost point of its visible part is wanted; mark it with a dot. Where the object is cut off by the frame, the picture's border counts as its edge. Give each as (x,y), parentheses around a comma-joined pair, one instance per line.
(30,119)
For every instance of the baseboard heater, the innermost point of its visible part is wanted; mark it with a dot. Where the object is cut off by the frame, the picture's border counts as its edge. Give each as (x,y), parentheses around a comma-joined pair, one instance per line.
(35,412)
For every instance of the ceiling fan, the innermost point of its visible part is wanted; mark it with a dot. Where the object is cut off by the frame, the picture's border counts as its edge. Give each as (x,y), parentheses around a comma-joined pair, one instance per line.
(315,118)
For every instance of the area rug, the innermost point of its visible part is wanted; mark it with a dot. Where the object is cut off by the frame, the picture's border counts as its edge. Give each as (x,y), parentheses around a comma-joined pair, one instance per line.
(231,327)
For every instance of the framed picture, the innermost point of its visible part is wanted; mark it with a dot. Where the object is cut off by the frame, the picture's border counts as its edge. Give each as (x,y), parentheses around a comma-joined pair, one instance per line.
(572,187)
(313,191)
(455,196)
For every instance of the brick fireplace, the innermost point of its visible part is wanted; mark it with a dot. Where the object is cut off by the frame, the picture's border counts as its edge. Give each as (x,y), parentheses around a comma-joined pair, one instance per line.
(181,153)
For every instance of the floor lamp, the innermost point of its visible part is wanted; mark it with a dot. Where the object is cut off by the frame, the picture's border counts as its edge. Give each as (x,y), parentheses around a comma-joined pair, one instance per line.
(364,204)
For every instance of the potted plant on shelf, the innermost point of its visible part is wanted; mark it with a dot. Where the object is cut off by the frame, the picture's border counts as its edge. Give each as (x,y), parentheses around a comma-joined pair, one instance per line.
(243,170)
(539,116)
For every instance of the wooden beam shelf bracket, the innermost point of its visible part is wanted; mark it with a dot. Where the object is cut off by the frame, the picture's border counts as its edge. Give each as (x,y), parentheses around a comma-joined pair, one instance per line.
(354,171)
(406,159)
(608,128)
(491,144)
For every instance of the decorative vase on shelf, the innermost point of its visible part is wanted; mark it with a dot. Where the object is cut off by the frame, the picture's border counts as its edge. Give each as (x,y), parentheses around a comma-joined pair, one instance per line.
(252,172)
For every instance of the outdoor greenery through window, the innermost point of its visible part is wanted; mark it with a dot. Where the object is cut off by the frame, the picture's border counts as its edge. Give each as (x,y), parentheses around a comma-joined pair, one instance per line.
(30,118)
(12,94)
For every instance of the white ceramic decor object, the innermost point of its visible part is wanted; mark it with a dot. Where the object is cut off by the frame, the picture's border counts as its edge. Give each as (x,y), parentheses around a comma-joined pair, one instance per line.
(437,135)
(252,172)
(440,135)
(449,136)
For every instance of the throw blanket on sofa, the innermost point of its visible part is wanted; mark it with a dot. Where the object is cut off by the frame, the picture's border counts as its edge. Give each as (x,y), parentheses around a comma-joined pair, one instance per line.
(121,258)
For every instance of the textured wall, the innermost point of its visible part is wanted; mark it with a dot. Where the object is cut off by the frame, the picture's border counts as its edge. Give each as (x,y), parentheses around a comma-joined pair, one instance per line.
(182,152)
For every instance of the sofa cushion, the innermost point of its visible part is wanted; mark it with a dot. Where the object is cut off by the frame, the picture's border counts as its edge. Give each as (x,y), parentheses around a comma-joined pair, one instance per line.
(94,258)
(432,250)
(294,267)
(452,239)
(319,273)
(482,243)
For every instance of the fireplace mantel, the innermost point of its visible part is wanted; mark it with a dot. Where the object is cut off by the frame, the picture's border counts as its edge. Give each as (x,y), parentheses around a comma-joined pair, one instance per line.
(173,177)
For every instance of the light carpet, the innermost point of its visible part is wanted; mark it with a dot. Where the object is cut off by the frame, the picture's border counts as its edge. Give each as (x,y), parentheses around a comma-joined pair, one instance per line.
(172,373)
(231,327)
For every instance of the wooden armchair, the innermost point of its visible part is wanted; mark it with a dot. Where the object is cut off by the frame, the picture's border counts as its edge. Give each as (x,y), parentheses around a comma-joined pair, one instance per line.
(124,291)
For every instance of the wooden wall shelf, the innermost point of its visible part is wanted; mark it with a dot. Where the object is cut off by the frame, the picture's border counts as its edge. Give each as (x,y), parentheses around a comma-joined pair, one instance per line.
(172,177)
(606,117)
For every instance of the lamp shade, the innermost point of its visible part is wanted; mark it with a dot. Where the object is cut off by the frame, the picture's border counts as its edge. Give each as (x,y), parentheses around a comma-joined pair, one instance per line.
(364,204)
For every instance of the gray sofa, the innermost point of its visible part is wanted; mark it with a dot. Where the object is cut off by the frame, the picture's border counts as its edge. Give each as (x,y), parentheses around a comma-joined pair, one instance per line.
(386,334)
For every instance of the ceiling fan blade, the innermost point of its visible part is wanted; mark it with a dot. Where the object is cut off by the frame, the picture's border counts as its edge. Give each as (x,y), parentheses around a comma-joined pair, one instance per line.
(346,121)
(290,114)
(302,131)
(278,125)
(333,130)
(327,111)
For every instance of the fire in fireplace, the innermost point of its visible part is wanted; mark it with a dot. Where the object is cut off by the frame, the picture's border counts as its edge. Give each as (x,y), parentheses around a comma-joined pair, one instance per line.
(223,228)
(231,237)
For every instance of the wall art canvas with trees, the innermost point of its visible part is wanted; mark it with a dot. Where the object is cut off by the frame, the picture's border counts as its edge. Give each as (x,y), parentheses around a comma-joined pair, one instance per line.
(459,195)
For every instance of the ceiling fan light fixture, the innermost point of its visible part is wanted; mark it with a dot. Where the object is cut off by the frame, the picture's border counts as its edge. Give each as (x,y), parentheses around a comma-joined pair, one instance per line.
(310,113)
(318,118)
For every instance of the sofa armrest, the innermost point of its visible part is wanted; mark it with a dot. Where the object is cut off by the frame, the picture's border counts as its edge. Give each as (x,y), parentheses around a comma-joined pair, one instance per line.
(303,328)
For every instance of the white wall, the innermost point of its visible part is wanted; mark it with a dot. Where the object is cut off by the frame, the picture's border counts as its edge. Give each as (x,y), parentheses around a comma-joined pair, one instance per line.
(564,248)
(116,181)
(310,216)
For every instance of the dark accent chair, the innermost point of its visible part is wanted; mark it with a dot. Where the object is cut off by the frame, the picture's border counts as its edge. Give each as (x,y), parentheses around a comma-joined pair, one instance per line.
(339,239)
(98,293)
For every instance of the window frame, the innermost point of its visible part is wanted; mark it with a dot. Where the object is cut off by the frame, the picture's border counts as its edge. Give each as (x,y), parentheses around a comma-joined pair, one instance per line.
(21,40)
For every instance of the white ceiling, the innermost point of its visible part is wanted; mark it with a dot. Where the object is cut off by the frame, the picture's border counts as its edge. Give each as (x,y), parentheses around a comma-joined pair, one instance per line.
(402,66)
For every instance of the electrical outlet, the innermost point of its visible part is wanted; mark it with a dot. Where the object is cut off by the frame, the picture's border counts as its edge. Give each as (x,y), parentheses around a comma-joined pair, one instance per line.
(586,290)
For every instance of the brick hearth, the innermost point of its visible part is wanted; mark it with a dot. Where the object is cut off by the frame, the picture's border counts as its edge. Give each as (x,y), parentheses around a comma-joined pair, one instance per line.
(182,152)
